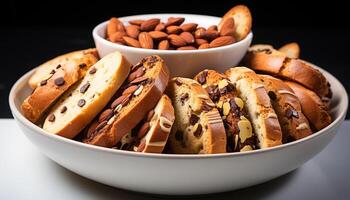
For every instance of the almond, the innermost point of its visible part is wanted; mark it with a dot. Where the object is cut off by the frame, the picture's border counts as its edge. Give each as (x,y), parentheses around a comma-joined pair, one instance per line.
(173,29)
(163,45)
(158,35)
(213,28)
(222,41)
(204,46)
(149,25)
(186,48)
(131,42)
(199,33)
(175,21)
(189,27)
(199,42)
(112,26)
(145,40)
(136,22)
(227,32)
(176,40)
(117,37)
(210,35)
(132,31)
(160,27)
(188,37)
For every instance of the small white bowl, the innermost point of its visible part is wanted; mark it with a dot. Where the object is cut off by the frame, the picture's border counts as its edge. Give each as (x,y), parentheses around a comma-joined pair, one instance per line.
(177,174)
(185,63)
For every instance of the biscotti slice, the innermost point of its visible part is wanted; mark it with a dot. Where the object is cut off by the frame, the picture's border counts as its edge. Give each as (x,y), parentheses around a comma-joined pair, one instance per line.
(198,127)
(152,134)
(288,109)
(223,93)
(83,58)
(80,104)
(313,107)
(277,63)
(242,19)
(292,50)
(260,111)
(138,95)
(64,71)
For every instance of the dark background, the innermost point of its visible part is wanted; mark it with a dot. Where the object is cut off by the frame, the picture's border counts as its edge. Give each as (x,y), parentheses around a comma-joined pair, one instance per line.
(33,32)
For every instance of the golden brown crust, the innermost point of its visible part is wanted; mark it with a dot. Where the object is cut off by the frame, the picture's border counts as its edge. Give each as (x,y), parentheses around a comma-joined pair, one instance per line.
(277,63)
(136,108)
(263,117)
(288,109)
(72,68)
(292,50)
(312,106)
(198,127)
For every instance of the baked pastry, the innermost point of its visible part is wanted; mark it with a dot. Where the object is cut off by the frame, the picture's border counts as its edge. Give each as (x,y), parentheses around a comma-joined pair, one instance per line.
(53,78)
(139,94)
(288,109)
(153,132)
(271,61)
(81,103)
(223,93)
(315,110)
(260,111)
(198,127)
(84,58)
(292,50)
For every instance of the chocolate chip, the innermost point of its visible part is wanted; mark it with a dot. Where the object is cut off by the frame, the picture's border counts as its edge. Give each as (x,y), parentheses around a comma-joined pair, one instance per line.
(206,107)
(82,65)
(58,66)
(101,125)
(193,119)
(198,132)
(233,105)
(53,71)
(51,118)
(272,95)
(202,78)
(81,102)
(213,92)
(59,81)
(179,135)
(230,87)
(63,109)
(43,82)
(143,130)
(177,82)
(139,80)
(92,70)
(150,115)
(130,90)
(183,98)
(85,87)
(106,115)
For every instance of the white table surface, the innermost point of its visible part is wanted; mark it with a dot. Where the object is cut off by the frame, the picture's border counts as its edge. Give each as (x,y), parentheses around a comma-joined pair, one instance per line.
(27,174)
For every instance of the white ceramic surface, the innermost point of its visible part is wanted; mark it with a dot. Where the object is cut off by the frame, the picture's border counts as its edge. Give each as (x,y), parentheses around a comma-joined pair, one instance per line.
(178,174)
(181,63)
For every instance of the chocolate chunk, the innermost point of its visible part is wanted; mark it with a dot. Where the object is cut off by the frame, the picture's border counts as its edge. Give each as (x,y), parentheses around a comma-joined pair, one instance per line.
(143,130)
(101,125)
(92,70)
(179,135)
(63,109)
(177,82)
(183,98)
(51,118)
(85,87)
(233,105)
(272,95)
(193,119)
(139,80)
(82,65)
(58,66)
(213,92)
(106,115)
(130,90)
(230,87)
(53,71)
(59,81)
(81,102)
(206,107)
(150,115)
(198,132)
(202,78)
(43,82)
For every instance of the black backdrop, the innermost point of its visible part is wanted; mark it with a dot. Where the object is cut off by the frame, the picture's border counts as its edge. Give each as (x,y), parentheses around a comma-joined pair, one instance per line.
(32,32)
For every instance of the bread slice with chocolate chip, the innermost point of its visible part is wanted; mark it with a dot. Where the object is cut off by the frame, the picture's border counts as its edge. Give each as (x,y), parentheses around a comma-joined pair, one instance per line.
(315,110)
(81,103)
(271,61)
(53,78)
(223,93)
(83,58)
(139,94)
(198,127)
(288,109)
(260,111)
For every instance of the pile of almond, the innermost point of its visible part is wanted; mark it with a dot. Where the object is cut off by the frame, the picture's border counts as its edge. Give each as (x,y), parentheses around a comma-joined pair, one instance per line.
(173,34)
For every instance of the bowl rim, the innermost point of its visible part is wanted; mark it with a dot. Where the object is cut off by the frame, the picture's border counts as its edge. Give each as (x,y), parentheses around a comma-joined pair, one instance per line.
(102,25)
(37,130)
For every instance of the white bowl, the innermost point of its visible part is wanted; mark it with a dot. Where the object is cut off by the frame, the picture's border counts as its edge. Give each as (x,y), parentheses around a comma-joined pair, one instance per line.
(185,63)
(177,174)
